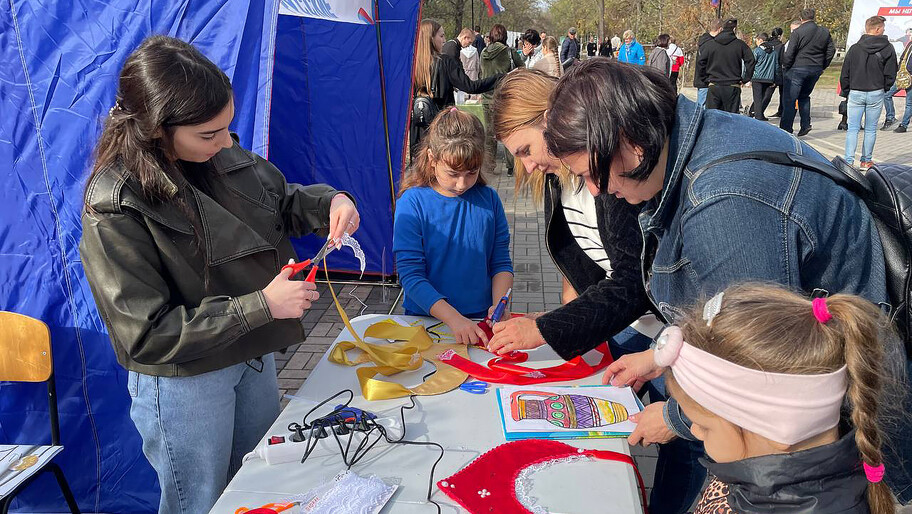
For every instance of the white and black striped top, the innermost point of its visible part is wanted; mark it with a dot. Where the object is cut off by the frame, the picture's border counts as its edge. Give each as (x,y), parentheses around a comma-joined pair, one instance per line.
(579,209)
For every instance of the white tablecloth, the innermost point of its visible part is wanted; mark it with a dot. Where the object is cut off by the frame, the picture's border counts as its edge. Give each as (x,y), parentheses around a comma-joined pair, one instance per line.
(465,424)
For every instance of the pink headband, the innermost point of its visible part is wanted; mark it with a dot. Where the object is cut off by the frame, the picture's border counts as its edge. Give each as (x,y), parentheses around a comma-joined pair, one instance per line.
(784,408)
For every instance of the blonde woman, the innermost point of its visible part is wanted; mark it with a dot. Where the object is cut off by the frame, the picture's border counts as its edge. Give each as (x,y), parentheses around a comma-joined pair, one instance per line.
(587,248)
(435,76)
(549,62)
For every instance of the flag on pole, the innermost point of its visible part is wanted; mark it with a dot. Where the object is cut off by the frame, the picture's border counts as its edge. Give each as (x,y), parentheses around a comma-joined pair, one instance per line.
(494,7)
(346,11)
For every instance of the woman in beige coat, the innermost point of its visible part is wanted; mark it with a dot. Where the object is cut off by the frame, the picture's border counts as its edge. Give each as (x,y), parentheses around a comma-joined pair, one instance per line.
(549,62)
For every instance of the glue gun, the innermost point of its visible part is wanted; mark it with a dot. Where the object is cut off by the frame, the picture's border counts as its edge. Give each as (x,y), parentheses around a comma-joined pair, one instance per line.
(501,306)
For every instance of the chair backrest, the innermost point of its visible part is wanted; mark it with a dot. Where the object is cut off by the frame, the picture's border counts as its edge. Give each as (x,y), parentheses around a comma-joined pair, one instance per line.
(25,349)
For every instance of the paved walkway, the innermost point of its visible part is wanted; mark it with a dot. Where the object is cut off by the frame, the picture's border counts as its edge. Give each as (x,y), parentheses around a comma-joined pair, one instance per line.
(537,283)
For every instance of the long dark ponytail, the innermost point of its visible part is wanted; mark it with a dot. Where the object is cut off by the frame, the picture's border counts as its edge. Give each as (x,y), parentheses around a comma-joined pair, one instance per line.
(164,83)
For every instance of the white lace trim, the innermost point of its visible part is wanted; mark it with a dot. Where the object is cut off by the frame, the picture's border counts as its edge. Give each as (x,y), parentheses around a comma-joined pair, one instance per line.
(352,243)
(524,482)
(346,492)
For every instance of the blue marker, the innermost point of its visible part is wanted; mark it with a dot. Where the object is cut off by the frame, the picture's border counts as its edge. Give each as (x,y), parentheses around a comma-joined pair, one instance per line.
(501,305)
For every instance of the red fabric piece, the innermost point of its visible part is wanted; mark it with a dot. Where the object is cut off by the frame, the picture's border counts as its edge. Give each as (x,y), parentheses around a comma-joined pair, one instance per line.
(489,333)
(488,484)
(504,370)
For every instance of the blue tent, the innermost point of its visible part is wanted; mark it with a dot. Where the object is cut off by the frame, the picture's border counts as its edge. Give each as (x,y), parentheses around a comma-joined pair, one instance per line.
(59,62)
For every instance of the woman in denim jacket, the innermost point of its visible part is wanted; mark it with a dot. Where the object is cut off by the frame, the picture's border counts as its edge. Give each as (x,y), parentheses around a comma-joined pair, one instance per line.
(709,224)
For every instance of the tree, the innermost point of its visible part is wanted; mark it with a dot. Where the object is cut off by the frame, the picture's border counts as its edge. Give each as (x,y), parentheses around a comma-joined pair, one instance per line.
(448,12)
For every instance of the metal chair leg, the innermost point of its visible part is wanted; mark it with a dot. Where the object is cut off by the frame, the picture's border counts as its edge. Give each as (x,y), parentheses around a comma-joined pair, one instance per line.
(64,487)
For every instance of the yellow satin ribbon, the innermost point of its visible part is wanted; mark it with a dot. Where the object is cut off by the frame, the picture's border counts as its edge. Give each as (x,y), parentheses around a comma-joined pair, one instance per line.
(413,347)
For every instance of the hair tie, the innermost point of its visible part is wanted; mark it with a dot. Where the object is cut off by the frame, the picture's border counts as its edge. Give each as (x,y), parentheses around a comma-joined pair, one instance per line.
(874,473)
(453,109)
(668,346)
(821,312)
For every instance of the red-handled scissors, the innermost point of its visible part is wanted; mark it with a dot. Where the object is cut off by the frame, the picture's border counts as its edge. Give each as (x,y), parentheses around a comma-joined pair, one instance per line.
(269,508)
(300,266)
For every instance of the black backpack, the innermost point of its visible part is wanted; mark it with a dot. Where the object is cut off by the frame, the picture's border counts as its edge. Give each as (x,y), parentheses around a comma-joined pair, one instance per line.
(886,189)
(424,108)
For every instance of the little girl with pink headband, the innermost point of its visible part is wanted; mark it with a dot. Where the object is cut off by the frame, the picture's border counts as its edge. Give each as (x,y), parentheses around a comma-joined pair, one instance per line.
(763,374)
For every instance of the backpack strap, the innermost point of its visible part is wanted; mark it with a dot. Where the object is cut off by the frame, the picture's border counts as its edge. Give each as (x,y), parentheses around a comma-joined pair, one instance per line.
(844,175)
(883,60)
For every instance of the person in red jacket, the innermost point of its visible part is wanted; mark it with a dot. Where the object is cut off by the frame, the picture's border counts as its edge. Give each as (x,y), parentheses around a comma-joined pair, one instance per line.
(677,60)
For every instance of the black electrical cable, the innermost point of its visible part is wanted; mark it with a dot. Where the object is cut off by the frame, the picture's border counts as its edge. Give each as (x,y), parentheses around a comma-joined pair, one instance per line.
(363,425)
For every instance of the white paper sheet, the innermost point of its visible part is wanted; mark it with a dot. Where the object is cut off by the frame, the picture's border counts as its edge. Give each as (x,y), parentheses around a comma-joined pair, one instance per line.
(522,421)
(19,461)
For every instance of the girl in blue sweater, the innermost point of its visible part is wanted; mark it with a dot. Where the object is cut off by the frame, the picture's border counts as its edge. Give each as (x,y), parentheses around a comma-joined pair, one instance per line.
(450,236)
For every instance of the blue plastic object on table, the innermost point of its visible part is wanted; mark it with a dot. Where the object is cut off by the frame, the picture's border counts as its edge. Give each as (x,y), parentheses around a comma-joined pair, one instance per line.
(475,387)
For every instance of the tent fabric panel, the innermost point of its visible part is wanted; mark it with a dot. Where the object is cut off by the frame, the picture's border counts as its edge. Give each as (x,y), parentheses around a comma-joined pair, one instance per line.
(326,124)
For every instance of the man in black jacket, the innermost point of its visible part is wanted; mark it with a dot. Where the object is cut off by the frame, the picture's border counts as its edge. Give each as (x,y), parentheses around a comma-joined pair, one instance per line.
(712,30)
(724,64)
(570,49)
(810,51)
(868,71)
(454,46)
(479,43)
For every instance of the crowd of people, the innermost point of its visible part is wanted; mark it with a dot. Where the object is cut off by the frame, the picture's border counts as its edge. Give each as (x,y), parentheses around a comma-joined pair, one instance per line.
(693,259)
(724,63)
(868,78)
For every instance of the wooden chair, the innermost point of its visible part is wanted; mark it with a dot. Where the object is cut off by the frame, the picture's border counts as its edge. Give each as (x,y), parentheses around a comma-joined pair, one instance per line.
(25,356)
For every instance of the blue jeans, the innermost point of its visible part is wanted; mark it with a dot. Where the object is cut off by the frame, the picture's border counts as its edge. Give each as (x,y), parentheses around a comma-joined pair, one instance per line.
(798,84)
(196,430)
(701,96)
(869,105)
(891,112)
(678,476)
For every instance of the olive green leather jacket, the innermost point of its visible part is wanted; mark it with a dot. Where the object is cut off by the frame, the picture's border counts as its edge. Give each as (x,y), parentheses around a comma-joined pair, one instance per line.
(178,304)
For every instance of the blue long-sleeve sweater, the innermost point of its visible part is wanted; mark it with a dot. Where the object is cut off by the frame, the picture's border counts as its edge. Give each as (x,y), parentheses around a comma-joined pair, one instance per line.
(450,248)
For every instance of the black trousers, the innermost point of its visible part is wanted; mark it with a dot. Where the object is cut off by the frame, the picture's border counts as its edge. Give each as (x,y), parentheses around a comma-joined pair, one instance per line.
(798,85)
(763,92)
(723,98)
(768,95)
(674,80)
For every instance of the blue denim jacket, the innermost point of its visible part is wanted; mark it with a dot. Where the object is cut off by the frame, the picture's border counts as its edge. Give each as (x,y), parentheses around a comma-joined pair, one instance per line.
(750,220)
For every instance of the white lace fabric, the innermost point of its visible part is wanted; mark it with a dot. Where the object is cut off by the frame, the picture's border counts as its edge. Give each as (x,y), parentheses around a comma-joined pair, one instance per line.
(352,243)
(525,481)
(346,493)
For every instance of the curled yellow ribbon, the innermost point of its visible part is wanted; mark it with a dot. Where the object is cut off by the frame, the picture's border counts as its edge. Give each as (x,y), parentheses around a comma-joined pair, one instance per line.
(412,347)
